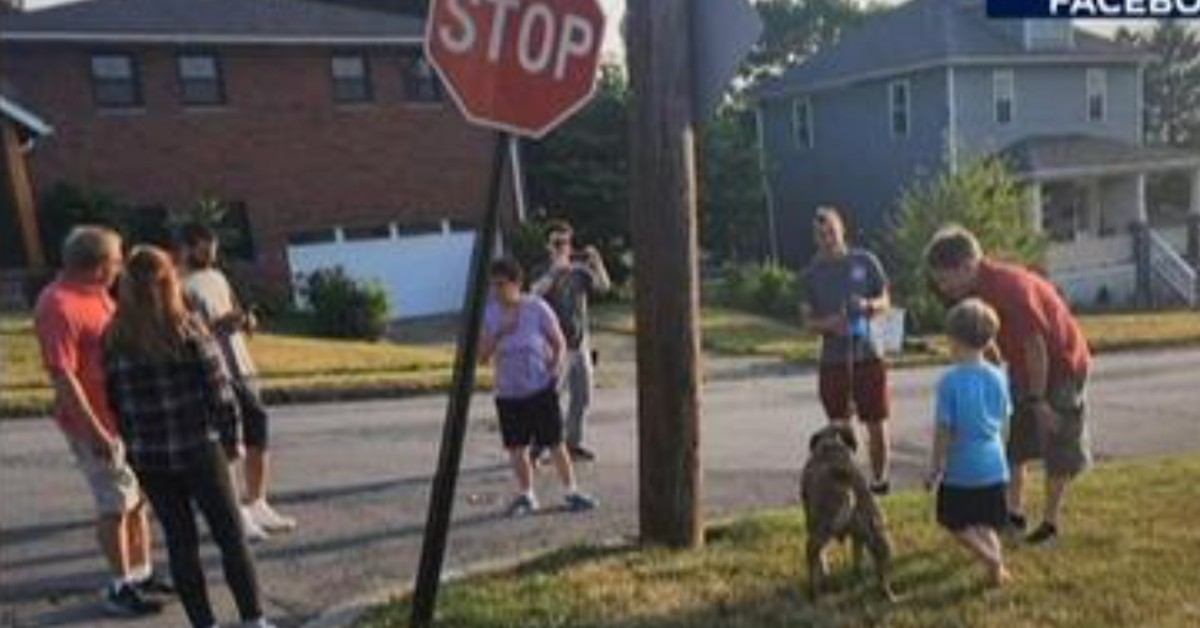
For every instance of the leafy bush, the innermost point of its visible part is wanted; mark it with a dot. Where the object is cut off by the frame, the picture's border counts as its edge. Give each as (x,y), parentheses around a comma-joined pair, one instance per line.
(768,289)
(346,308)
(527,244)
(982,197)
(65,206)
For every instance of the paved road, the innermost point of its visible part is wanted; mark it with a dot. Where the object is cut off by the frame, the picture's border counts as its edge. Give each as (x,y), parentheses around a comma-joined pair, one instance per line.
(356,476)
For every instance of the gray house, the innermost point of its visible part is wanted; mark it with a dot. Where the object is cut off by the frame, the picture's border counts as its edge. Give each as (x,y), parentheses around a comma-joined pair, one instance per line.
(933,83)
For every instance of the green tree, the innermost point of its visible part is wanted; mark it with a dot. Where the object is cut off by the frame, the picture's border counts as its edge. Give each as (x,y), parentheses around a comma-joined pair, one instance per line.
(732,201)
(579,172)
(982,197)
(795,29)
(1172,82)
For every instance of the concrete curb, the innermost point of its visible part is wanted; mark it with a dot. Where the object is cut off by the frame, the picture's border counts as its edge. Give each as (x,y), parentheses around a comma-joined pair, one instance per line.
(347,614)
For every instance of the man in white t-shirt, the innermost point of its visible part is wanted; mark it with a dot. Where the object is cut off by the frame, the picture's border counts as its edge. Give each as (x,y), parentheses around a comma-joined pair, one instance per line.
(209,294)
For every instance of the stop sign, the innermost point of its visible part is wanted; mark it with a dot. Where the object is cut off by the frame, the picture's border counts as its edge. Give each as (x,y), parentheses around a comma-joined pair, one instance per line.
(522,66)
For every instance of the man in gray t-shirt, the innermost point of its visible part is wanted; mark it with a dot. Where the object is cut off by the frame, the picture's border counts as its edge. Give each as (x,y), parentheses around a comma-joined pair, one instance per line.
(210,296)
(845,289)
(566,285)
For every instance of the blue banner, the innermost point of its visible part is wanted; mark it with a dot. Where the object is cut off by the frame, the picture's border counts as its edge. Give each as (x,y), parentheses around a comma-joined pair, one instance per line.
(1074,9)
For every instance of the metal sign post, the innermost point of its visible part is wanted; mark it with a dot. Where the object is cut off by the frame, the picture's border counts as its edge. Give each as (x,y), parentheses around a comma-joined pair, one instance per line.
(454,431)
(520,67)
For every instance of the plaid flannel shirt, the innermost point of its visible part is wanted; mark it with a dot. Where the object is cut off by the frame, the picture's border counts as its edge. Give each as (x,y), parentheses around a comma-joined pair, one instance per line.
(169,412)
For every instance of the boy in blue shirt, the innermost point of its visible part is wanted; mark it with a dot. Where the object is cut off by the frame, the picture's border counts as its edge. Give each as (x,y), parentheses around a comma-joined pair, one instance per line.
(969,465)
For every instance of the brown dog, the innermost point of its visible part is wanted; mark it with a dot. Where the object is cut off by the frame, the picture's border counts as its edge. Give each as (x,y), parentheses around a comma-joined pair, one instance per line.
(838,503)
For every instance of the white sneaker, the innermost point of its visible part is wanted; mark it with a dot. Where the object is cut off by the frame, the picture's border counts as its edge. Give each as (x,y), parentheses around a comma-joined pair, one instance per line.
(250,528)
(268,519)
(261,622)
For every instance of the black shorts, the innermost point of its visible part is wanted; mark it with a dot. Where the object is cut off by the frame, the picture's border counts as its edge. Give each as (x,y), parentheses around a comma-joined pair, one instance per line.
(254,413)
(533,420)
(960,507)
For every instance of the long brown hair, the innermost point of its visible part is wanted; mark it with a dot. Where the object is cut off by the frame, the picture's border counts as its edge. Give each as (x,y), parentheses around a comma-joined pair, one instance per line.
(152,321)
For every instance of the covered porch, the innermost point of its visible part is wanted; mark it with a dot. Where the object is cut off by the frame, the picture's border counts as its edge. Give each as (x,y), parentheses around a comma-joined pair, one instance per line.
(1123,220)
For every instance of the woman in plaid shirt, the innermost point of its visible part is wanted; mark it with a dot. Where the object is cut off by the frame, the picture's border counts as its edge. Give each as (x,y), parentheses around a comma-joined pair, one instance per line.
(178,417)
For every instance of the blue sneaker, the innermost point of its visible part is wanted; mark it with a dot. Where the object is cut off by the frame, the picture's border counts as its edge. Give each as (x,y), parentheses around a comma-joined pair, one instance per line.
(579,502)
(522,505)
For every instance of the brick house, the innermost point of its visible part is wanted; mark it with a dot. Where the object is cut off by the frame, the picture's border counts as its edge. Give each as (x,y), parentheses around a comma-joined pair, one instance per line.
(322,122)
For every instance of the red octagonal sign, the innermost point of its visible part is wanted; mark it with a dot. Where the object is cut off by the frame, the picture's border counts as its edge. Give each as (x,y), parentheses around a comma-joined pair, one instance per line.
(522,66)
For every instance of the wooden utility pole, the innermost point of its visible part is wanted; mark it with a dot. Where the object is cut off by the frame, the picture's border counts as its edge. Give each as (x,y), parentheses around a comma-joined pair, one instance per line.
(663,217)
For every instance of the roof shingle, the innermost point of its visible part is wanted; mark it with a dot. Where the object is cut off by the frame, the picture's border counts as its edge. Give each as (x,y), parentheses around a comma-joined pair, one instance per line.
(210,21)
(923,32)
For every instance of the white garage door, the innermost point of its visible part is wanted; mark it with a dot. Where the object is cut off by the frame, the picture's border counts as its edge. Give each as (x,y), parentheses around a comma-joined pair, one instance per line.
(424,274)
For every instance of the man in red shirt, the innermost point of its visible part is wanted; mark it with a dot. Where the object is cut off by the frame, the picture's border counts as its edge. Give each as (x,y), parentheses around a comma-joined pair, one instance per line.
(1048,360)
(71,317)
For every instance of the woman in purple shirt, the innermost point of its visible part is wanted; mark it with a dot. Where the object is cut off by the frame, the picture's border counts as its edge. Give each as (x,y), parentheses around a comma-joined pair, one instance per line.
(521,332)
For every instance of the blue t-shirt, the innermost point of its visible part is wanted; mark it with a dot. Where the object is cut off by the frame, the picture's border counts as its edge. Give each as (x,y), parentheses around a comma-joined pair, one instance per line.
(974,404)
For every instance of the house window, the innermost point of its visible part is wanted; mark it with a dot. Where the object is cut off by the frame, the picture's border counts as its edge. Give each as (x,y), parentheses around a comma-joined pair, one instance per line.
(351,83)
(115,81)
(1003,96)
(802,124)
(1097,94)
(421,83)
(898,102)
(200,80)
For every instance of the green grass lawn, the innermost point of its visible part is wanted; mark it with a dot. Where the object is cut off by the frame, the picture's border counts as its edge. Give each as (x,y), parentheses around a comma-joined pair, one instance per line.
(1129,557)
(292,368)
(731,332)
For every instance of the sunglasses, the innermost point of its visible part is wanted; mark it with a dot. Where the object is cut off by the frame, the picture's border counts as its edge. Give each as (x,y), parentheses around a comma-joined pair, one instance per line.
(559,243)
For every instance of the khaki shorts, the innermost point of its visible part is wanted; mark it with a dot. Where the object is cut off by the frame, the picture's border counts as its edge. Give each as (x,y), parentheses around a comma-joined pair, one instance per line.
(112,482)
(1069,450)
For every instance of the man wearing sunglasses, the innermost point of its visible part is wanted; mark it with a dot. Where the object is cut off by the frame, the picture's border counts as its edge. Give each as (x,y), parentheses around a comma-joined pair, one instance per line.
(566,285)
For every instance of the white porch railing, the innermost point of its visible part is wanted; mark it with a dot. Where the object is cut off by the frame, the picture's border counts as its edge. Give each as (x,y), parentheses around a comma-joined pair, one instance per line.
(1171,269)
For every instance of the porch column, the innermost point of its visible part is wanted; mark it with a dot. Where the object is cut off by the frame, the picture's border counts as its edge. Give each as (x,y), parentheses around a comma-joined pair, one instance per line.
(22,195)
(1093,208)
(1033,196)
(1140,213)
(1193,224)
(1195,206)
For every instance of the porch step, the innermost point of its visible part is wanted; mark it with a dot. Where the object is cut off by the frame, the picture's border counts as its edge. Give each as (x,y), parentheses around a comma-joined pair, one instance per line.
(1174,278)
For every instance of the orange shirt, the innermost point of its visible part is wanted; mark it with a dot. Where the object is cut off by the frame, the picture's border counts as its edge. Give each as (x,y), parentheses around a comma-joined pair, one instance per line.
(70,320)
(1029,305)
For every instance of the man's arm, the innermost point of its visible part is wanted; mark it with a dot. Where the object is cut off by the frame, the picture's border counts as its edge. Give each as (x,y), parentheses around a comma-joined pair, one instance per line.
(544,282)
(835,324)
(875,306)
(1037,365)
(601,282)
(69,396)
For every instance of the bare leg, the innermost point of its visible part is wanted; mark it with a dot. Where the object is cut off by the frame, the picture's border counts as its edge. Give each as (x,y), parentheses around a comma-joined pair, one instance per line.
(877,434)
(974,543)
(1056,490)
(137,537)
(562,463)
(110,534)
(519,456)
(997,572)
(257,469)
(1016,489)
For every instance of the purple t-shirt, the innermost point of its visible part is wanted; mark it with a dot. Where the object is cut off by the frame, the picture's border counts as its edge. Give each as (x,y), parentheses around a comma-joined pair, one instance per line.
(524,357)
